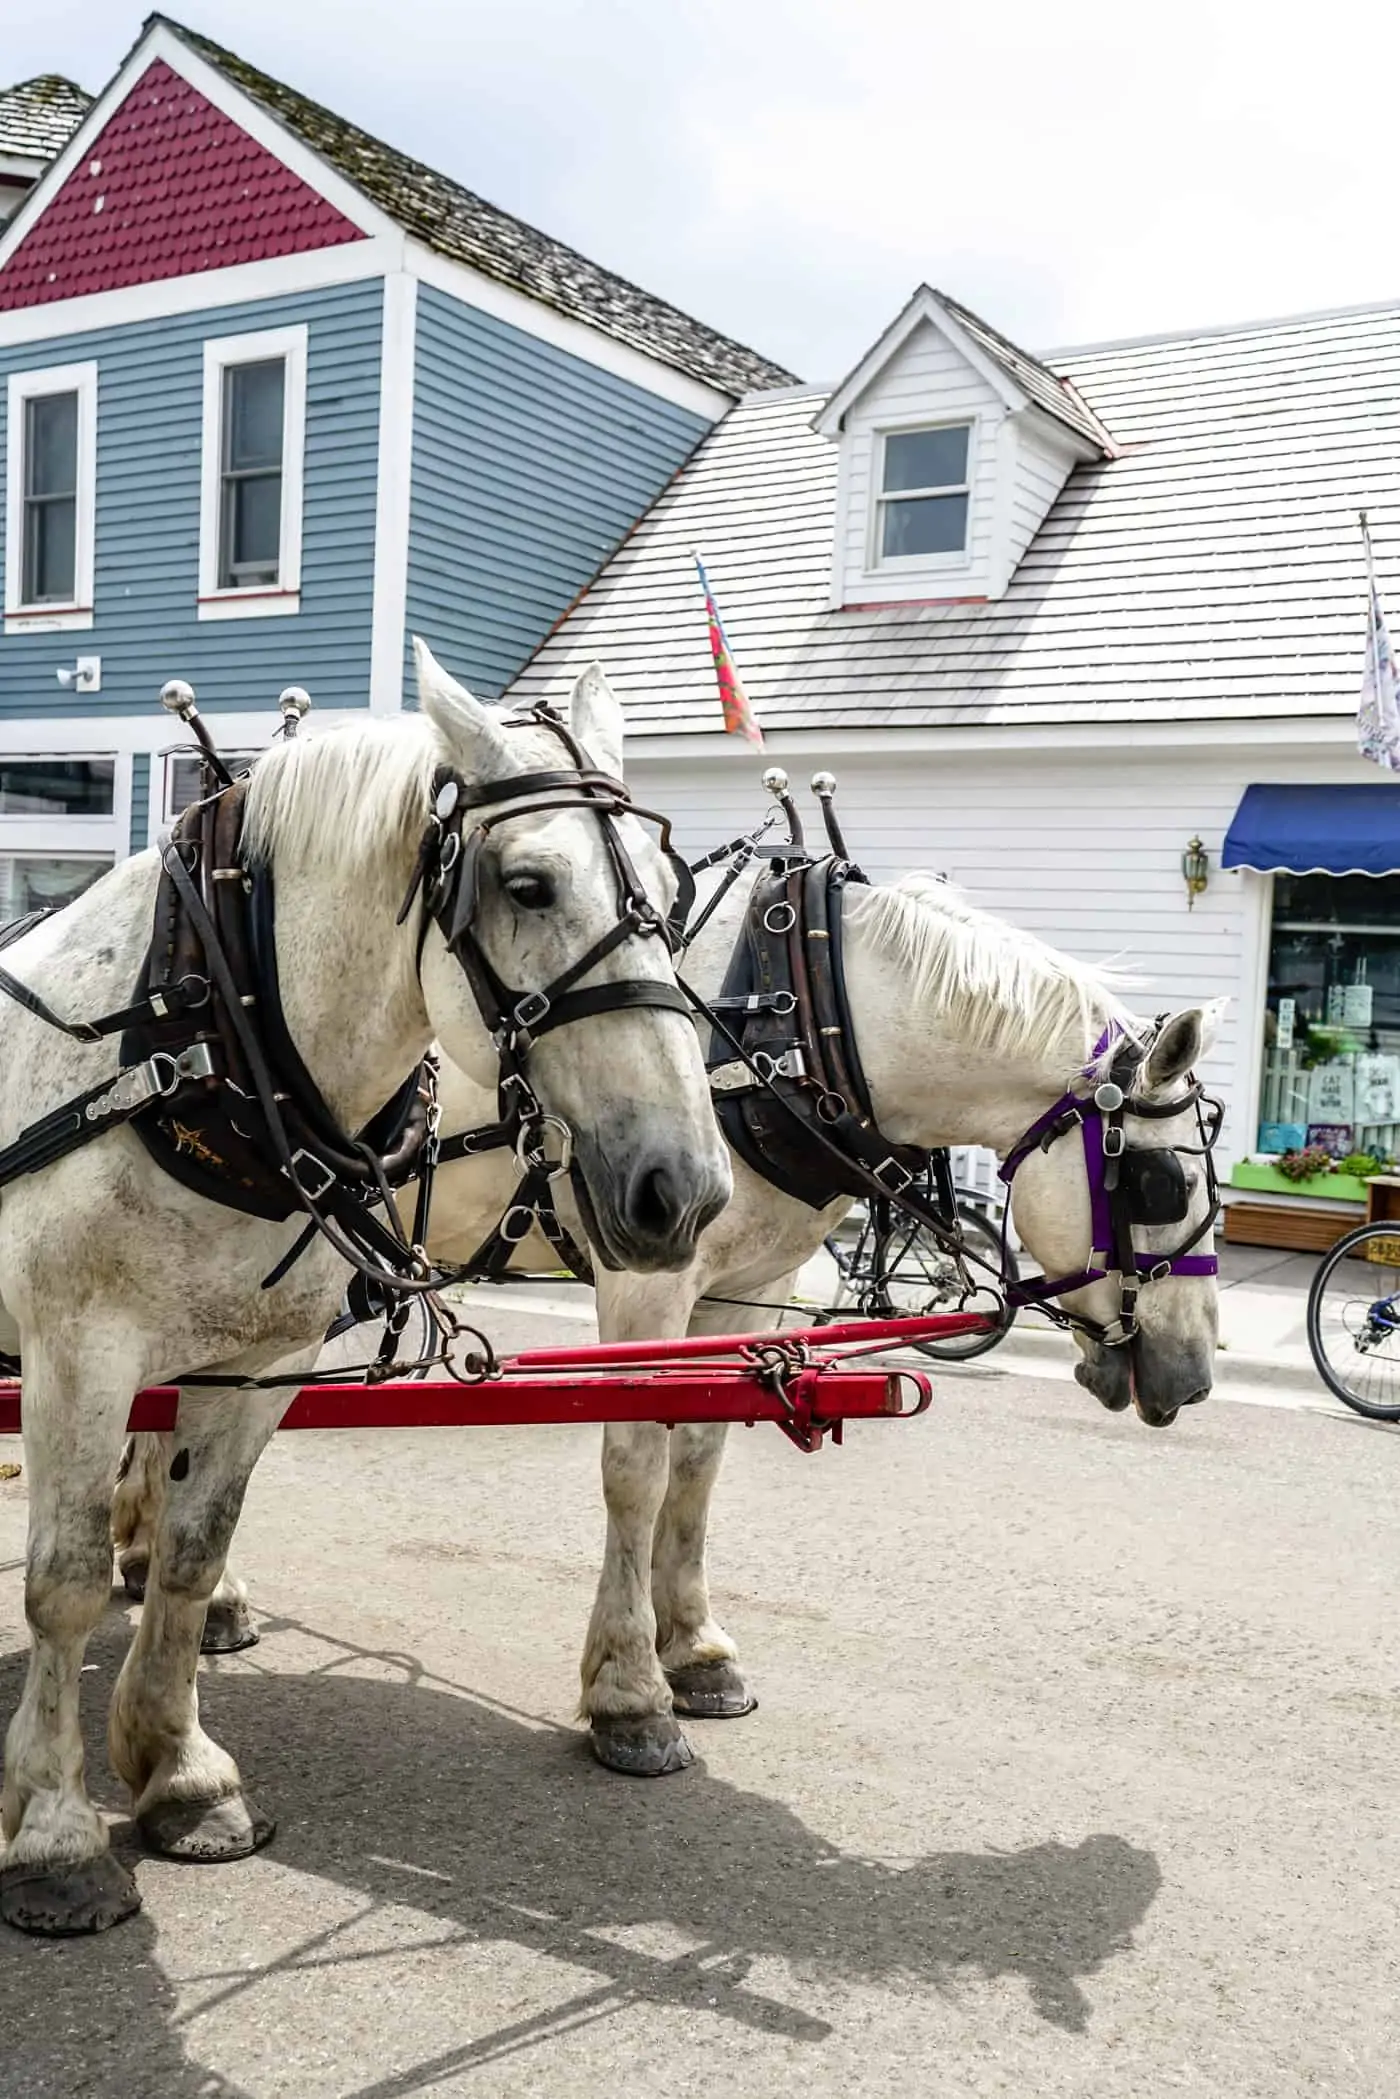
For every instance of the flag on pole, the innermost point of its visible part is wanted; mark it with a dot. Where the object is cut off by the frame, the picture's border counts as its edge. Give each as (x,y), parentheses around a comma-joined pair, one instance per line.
(1378,717)
(739,716)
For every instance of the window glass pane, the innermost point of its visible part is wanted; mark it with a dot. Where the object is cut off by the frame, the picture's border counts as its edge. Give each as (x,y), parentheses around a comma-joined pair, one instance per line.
(36,882)
(182,777)
(926,458)
(923,525)
(50,550)
(253,530)
(253,416)
(56,786)
(1332,1027)
(51,451)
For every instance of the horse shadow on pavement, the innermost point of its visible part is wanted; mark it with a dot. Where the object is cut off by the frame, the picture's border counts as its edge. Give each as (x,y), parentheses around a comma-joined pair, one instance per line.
(406,1790)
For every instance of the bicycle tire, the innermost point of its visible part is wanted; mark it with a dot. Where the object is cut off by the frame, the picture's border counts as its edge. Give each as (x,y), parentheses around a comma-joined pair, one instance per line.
(916,1244)
(1355,1316)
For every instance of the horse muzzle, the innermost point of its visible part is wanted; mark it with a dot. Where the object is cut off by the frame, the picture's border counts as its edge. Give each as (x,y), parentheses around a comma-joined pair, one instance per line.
(645,1203)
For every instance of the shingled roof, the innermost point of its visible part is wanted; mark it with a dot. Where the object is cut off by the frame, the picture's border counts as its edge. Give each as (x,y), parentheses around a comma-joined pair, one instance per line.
(1212,571)
(39,116)
(454,222)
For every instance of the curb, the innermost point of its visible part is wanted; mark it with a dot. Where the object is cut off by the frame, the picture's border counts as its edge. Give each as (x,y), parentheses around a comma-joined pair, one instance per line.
(1296,1371)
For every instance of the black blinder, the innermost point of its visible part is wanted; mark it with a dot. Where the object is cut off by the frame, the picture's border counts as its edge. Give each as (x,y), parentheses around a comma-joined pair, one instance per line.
(466,880)
(1153,1184)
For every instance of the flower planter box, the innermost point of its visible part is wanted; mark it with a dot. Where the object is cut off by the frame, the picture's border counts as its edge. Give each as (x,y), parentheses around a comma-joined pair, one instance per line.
(1267,1180)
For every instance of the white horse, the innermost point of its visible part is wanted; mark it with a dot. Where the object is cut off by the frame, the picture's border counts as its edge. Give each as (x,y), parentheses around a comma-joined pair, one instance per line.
(117,1277)
(968,1030)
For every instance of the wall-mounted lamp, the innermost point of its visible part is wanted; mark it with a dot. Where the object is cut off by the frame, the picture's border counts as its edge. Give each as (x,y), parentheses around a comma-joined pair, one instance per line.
(1195,870)
(85,676)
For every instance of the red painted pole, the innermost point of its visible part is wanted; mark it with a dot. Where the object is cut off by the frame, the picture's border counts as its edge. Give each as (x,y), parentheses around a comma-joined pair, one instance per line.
(722,1393)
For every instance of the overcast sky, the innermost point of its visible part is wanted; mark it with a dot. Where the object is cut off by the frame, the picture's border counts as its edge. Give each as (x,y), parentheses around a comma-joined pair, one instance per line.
(789,170)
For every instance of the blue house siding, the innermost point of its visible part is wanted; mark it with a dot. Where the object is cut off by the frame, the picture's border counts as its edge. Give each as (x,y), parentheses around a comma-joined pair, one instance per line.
(528,467)
(146,580)
(140,800)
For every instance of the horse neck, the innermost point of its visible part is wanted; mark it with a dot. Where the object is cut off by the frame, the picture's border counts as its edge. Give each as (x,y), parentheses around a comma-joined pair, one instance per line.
(349,982)
(929,1083)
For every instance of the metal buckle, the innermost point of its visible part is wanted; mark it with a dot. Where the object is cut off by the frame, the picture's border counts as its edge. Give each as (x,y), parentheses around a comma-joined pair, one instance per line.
(522,1231)
(1119,1144)
(885,1178)
(327,1173)
(788,1064)
(531,1010)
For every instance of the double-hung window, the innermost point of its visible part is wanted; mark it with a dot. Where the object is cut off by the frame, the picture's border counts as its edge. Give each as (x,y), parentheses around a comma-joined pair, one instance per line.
(251,477)
(50,497)
(922,494)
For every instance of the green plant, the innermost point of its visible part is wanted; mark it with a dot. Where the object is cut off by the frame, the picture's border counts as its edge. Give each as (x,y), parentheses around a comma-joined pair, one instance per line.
(1306,1165)
(1362,1165)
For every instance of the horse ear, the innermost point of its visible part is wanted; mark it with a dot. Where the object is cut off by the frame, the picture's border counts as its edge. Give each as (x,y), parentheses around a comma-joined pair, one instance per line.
(469,728)
(1180,1046)
(595,716)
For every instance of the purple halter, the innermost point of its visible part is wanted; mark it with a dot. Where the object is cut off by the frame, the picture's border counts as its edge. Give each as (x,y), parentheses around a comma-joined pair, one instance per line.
(1099,1118)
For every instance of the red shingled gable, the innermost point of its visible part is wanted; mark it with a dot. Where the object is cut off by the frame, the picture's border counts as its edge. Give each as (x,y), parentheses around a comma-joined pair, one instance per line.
(170,188)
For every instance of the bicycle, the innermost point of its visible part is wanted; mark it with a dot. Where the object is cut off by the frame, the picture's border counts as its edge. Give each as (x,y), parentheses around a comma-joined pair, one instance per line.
(894,1268)
(1354,1321)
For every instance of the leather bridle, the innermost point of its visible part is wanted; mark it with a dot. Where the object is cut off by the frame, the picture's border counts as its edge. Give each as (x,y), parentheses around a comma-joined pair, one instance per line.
(448,872)
(1128,1184)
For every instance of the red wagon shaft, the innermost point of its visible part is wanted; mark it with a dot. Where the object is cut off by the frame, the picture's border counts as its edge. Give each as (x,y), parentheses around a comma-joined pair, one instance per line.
(736,1378)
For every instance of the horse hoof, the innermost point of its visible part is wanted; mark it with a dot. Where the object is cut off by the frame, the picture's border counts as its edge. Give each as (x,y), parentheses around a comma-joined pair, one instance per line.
(228,1629)
(641,1745)
(205,1832)
(134,1579)
(68,1901)
(710,1691)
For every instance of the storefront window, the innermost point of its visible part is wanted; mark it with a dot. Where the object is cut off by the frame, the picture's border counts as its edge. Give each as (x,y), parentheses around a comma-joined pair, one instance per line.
(57,786)
(38,882)
(1331,1079)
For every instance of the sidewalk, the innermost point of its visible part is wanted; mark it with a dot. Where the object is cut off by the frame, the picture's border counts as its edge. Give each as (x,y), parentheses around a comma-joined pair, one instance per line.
(1263,1320)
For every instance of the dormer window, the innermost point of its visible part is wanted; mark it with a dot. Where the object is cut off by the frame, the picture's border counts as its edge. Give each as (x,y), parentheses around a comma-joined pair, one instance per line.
(923,490)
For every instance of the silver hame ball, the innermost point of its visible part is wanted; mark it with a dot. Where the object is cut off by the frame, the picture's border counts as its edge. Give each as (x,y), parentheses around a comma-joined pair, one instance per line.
(776,780)
(294,699)
(177,696)
(823,784)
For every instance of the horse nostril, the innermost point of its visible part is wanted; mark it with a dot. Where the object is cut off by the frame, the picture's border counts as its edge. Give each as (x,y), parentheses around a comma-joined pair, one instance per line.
(654,1203)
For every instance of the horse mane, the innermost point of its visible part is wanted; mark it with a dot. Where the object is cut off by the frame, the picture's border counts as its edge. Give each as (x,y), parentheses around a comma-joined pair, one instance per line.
(1008,993)
(355,794)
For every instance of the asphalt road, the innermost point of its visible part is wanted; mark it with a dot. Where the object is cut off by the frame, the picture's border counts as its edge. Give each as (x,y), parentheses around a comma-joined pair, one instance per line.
(1074,1773)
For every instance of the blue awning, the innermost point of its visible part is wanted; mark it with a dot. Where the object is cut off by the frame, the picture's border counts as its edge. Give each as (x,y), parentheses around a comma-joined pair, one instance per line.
(1316,830)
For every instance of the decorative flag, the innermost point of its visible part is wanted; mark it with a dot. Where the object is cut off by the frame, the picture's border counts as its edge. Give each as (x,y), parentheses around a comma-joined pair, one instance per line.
(738,714)
(1378,717)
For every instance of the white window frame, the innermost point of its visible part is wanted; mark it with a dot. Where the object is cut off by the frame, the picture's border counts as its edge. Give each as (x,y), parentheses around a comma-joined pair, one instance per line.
(24,387)
(256,601)
(878,563)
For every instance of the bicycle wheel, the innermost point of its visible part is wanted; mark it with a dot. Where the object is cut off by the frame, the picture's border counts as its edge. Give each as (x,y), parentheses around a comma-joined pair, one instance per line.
(1354,1321)
(922,1278)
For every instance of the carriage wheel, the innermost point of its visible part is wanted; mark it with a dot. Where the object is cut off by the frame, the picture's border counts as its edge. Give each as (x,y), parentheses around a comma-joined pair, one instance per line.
(1354,1321)
(921,1278)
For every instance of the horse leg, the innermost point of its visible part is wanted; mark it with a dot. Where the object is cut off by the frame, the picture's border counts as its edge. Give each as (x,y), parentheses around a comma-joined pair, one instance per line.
(136,1507)
(698,1655)
(189,1798)
(58,1876)
(228,1623)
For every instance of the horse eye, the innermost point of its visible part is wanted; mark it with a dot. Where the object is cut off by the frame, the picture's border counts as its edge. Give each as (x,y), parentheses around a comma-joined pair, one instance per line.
(531,892)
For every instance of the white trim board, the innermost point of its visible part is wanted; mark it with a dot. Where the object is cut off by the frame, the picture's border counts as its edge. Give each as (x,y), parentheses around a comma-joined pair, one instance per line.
(1086,738)
(24,387)
(393,493)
